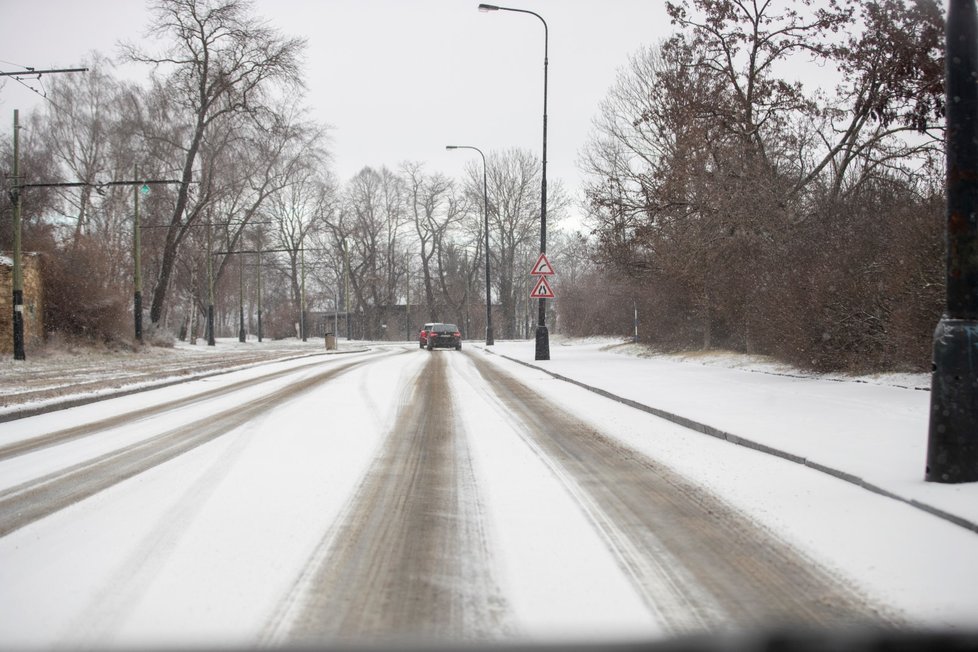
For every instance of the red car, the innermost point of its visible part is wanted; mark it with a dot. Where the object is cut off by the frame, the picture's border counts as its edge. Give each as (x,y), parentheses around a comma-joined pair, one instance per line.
(423,337)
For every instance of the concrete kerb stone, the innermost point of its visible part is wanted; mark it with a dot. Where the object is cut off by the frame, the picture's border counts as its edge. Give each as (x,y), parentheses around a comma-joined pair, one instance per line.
(702,428)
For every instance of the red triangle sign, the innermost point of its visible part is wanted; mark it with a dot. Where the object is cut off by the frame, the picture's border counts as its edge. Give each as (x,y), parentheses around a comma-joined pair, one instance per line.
(542,267)
(542,289)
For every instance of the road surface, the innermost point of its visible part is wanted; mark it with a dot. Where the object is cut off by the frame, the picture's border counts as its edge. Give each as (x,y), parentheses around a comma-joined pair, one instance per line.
(394,495)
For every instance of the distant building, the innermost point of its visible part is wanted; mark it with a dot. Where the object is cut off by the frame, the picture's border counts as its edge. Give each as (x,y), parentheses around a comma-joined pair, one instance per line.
(33,301)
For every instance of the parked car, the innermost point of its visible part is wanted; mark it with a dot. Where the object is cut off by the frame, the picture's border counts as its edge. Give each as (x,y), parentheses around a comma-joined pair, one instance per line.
(423,336)
(445,336)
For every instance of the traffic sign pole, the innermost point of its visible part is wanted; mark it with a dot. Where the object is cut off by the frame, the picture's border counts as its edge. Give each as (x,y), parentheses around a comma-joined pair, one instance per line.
(542,291)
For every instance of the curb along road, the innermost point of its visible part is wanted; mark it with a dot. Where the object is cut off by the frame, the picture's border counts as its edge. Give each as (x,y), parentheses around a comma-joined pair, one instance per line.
(705,429)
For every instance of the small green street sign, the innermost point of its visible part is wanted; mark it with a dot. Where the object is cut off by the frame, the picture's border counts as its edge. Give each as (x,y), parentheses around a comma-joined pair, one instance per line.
(144,189)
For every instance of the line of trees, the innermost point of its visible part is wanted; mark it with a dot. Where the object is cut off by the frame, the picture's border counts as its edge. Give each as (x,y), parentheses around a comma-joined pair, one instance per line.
(744,210)
(732,205)
(221,116)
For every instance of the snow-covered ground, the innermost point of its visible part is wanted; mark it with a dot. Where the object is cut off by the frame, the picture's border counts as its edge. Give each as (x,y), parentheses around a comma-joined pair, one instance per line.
(873,429)
(869,428)
(158,558)
(62,373)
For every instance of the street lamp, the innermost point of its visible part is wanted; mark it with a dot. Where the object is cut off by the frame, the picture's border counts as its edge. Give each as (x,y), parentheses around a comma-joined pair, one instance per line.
(485,215)
(542,336)
(952,445)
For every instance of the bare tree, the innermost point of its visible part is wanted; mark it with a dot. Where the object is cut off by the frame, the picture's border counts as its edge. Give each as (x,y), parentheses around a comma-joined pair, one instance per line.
(734,197)
(221,63)
(77,125)
(304,207)
(434,211)
(370,228)
(514,219)
(889,108)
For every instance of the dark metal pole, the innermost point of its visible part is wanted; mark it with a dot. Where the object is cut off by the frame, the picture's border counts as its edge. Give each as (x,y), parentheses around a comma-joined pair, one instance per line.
(137,300)
(259,293)
(210,289)
(542,335)
(302,295)
(241,322)
(407,300)
(952,451)
(346,290)
(485,218)
(18,285)
(490,340)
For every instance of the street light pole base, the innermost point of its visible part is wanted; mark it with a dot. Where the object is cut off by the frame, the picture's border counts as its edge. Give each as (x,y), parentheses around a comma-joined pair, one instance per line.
(952,445)
(489,339)
(543,343)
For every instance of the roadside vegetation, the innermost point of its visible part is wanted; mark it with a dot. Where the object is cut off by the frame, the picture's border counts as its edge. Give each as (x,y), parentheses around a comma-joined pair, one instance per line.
(739,209)
(729,204)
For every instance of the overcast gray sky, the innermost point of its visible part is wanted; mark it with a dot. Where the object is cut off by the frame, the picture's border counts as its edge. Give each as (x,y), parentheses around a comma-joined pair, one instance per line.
(397,79)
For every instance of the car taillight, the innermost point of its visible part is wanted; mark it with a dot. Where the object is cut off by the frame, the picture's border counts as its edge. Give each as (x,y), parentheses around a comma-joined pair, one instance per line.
(457,334)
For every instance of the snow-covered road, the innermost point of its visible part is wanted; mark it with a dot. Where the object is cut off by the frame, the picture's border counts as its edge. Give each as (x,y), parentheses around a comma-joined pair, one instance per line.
(453,496)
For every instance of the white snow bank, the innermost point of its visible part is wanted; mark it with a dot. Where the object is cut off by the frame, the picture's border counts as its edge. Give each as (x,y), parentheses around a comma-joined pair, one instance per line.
(861,426)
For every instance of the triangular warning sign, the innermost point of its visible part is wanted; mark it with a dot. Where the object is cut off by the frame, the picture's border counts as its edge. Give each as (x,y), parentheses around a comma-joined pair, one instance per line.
(542,267)
(542,290)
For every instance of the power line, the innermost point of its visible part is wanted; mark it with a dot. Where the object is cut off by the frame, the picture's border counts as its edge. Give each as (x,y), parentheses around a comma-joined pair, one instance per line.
(31,72)
(203,224)
(28,72)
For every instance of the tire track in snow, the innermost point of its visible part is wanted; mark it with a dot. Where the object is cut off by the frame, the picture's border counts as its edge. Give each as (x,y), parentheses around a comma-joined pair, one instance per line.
(128,418)
(409,558)
(35,499)
(699,564)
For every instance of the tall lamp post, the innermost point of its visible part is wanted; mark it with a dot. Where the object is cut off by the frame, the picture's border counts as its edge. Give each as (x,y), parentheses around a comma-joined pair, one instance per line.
(542,336)
(485,220)
(952,447)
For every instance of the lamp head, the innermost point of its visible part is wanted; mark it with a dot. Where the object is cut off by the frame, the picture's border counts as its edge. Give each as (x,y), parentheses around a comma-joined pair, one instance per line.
(485,7)
(451,146)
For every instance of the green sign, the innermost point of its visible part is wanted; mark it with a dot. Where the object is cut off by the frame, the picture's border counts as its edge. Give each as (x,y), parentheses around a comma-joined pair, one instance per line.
(144,189)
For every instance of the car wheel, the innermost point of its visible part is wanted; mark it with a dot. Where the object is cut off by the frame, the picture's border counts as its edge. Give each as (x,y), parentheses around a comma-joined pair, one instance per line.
(458,348)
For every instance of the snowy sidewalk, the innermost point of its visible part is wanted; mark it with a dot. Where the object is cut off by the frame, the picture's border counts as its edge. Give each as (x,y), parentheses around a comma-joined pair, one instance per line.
(871,432)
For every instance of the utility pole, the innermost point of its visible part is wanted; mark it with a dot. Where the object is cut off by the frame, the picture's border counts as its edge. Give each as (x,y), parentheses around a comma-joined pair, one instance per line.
(210,288)
(952,449)
(18,279)
(407,302)
(18,287)
(259,292)
(139,186)
(137,303)
(241,324)
(302,291)
(16,194)
(346,293)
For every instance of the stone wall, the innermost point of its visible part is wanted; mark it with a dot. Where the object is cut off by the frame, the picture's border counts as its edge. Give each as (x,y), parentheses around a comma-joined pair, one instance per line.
(33,301)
